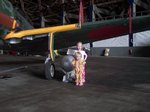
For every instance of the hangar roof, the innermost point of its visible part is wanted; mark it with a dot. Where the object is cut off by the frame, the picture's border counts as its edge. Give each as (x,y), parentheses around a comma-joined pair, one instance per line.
(50,10)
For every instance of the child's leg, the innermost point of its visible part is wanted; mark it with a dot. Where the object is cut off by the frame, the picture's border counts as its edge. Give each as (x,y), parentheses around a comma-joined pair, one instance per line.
(83,74)
(77,79)
(80,79)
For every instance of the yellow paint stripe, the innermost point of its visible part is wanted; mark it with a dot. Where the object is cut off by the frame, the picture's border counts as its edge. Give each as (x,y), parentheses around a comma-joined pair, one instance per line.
(56,52)
(41,31)
(51,46)
(14,24)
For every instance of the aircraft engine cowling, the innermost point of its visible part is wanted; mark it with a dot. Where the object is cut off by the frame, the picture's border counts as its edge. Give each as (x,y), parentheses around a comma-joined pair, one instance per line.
(66,63)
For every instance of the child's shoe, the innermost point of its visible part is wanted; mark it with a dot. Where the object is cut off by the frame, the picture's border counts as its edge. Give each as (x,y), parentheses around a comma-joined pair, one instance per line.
(81,84)
(77,83)
(83,80)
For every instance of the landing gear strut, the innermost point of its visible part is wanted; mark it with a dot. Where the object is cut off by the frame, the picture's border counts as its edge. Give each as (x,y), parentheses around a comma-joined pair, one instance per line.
(49,66)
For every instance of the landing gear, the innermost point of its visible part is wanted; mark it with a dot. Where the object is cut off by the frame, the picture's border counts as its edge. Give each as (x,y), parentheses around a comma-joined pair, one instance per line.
(49,69)
(49,66)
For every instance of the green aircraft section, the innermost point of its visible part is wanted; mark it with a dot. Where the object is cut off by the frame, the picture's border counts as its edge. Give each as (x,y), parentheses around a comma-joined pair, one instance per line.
(7,8)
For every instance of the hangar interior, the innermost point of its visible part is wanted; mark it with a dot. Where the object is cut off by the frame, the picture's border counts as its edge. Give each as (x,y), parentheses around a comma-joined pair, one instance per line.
(117,75)
(43,13)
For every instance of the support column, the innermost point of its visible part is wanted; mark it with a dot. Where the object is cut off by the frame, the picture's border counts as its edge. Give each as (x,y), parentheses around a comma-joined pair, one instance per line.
(134,9)
(41,15)
(134,15)
(63,14)
(42,21)
(130,23)
(91,17)
(91,44)
(81,13)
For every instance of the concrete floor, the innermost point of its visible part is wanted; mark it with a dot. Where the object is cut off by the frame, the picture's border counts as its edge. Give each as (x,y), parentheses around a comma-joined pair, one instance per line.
(113,85)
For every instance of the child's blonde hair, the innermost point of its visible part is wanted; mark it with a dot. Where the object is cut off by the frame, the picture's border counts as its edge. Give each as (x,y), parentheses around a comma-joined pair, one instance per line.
(79,42)
(78,54)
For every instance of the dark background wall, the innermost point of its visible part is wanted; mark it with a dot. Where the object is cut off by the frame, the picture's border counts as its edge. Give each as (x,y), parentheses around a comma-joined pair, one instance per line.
(122,51)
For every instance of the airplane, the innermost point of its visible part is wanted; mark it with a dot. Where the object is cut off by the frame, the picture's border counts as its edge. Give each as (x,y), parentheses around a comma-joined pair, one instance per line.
(67,35)
(48,39)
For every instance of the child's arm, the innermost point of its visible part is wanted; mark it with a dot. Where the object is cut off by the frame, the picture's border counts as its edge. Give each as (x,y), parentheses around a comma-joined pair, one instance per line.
(83,62)
(85,55)
(73,62)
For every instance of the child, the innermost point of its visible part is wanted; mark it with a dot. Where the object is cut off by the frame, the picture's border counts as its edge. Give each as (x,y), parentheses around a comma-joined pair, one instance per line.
(78,64)
(84,57)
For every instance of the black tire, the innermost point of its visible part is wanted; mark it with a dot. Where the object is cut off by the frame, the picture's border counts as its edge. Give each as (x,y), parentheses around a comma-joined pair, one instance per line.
(49,70)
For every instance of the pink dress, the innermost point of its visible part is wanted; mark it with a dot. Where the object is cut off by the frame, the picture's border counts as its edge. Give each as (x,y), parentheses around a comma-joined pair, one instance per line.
(83,53)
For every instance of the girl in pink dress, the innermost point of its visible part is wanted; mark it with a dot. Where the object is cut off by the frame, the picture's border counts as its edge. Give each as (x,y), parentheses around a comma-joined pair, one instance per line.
(83,57)
(78,64)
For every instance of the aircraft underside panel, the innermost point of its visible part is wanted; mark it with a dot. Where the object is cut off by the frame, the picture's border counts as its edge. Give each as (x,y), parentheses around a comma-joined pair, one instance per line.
(101,30)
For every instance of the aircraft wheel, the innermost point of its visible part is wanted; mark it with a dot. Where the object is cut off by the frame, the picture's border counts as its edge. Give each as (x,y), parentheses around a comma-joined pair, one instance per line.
(52,71)
(49,70)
